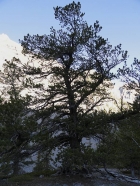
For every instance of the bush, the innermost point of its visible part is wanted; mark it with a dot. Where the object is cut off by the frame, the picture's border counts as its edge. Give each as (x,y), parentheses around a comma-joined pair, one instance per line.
(76,160)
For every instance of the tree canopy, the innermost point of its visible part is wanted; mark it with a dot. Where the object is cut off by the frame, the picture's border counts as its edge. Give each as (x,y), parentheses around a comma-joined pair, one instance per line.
(84,63)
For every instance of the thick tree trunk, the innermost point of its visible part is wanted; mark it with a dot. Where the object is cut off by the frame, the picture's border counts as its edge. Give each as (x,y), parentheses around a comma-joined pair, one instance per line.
(16,166)
(16,170)
(75,143)
(73,133)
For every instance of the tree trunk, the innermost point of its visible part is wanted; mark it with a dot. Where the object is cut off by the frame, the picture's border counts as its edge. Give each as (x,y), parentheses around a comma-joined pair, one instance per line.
(75,143)
(16,166)
(132,171)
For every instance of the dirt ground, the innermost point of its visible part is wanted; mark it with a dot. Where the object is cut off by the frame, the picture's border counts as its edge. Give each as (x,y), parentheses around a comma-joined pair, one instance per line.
(67,181)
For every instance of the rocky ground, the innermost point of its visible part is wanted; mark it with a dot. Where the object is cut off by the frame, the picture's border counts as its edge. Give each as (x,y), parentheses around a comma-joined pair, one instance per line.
(69,180)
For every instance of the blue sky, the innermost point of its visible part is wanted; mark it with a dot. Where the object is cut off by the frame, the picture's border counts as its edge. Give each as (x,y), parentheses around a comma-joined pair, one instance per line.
(120,19)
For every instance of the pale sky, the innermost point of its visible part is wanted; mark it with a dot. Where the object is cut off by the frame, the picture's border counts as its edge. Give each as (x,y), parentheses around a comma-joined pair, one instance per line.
(120,19)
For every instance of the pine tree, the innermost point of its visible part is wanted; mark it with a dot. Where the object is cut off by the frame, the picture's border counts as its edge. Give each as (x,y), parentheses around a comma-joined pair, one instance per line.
(16,124)
(76,67)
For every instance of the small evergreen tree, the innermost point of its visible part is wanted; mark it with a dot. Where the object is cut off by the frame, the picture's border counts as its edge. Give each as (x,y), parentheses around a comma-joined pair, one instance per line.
(128,148)
(16,122)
